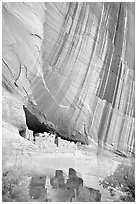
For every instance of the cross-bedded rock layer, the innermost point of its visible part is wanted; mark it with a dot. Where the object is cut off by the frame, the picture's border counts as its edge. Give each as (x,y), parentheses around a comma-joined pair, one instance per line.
(74,65)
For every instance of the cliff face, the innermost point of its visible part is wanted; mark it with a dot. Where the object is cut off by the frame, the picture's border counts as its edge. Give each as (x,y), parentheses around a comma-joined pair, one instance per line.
(73,66)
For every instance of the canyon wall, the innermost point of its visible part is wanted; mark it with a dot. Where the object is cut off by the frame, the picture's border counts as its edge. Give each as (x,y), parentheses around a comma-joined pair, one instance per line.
(72,64)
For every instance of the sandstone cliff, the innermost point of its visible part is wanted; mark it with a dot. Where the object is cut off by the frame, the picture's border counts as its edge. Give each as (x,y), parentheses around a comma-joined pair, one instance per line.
(72,66)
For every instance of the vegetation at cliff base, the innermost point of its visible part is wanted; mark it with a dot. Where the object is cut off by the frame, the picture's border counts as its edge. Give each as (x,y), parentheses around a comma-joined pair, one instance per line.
(14,187)
(123,179)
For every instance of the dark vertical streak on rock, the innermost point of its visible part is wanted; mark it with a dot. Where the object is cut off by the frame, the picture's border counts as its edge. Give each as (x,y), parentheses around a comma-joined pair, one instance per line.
(76,40)
(108,126)
(119,12)
(120,133)
(117,86)
(129,135)
(74,13)
(83,14)
(102,122)
(54,57)
(121,93)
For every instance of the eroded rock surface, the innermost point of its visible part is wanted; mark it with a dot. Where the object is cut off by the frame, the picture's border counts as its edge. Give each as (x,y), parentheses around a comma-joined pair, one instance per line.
(12,110)
(73,63)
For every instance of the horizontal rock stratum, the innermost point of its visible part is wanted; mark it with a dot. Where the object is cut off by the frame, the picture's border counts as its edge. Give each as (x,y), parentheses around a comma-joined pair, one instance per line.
(72,66)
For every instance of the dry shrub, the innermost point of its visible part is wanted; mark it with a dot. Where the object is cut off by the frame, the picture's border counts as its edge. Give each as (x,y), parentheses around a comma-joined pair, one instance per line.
(122,179)
(14,187)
